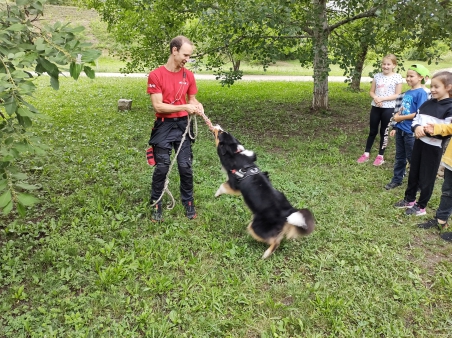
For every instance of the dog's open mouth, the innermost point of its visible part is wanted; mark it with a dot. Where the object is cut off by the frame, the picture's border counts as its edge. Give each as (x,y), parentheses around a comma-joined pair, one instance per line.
(217,130)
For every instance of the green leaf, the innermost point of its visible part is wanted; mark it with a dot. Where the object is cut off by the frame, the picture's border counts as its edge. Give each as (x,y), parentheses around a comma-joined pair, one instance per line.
(90,55)
(21,209)
(37,5)
(24,121)
(74,70)
(19,74)
(7,209)
(3,184)
(24,112)
(39,68)
(77,29)
(5,198)
(11,106)
(16,27)
(22,147)
(27,186)
(19,176)
(26,199)
(89,72)
(50,67)
(54,83)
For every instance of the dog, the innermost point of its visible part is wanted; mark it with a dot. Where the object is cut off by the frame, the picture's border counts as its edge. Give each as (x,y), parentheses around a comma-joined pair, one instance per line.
(273,216)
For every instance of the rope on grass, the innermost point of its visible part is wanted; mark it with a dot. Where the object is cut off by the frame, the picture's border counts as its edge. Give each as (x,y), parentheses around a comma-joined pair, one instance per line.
(187,131)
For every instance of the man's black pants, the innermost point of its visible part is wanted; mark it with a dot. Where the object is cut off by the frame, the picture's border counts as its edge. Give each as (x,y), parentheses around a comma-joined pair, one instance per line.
(162,154)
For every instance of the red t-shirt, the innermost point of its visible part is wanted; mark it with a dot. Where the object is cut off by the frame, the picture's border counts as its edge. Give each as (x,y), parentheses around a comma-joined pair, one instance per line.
(174,87)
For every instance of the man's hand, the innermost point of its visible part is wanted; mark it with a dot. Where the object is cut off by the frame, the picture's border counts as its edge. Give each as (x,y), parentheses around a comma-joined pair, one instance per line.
(392,133)
(419,132)
(192,108)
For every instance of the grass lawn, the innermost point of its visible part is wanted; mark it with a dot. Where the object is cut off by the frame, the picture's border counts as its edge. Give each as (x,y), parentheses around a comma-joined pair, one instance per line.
(88,262)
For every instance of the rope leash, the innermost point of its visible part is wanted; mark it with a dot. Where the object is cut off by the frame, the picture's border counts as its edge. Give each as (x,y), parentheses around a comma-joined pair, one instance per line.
(187,131)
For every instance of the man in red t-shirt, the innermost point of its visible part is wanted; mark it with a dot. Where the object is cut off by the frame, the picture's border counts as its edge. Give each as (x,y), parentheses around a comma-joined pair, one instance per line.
(173,88)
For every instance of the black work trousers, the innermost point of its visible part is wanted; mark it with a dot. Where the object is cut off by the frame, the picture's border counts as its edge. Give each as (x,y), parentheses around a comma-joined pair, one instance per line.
(162,155)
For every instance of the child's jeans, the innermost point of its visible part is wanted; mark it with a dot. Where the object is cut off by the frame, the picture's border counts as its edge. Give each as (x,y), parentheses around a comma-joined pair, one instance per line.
(445,205)
(404,148)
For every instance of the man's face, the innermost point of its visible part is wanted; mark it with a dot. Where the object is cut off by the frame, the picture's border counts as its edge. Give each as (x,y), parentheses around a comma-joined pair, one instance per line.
(182,55)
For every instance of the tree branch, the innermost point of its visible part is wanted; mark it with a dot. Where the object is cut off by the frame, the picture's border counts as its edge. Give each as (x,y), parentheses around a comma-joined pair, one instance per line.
(369,13)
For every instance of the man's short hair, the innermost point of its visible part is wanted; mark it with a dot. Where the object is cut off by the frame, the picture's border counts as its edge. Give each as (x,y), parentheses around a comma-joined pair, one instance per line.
(178,41)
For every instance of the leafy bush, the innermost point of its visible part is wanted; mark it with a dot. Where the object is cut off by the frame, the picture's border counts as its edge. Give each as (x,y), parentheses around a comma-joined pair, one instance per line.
(24,46)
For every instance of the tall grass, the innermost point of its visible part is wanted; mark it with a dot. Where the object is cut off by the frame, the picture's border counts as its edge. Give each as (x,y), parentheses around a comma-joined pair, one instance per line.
(88,262)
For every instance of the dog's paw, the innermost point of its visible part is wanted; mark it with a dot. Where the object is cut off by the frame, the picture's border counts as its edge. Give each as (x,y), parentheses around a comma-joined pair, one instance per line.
(220,191)
(267,253)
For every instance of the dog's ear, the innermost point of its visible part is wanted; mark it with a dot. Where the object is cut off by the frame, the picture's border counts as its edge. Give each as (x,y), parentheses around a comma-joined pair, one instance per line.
(227,144)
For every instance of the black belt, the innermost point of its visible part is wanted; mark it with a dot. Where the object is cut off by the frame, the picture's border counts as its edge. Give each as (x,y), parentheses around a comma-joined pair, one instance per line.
(172,119)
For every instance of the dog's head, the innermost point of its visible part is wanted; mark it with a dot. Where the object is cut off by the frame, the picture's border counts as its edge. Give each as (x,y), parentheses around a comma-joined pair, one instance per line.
(228,145)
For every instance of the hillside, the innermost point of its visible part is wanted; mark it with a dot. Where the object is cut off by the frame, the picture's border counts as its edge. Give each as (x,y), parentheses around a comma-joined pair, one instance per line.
(95,30)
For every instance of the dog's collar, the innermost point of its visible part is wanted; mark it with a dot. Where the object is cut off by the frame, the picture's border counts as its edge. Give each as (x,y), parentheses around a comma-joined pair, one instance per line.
(245,172)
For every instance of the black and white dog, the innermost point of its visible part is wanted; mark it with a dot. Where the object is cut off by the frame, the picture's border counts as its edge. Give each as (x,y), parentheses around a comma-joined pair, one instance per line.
(273,216)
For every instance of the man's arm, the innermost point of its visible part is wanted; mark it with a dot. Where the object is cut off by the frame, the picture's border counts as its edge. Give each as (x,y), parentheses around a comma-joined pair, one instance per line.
(193,100)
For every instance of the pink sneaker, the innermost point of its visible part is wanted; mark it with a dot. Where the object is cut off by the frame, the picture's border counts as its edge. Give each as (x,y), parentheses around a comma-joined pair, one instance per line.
(363,158)
(379,160)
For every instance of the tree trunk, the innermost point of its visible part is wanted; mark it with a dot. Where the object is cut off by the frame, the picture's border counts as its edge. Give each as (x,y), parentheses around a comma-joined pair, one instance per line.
(355,85)
(236,65)
(320,45)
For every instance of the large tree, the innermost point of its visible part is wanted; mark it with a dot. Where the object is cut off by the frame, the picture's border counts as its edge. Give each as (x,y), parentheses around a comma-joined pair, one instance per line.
(407,25)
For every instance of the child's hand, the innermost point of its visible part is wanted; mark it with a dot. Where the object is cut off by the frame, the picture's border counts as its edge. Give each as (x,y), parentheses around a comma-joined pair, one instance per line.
(378,101)
(419,132)
(429,129)
(397,117)
(392,133)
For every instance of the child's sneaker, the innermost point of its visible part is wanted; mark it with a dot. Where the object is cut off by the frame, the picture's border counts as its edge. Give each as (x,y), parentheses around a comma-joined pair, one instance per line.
(415,210)
(363,158)
(392,185)
(447,236)
(432,223)
(379,161)
(403,204)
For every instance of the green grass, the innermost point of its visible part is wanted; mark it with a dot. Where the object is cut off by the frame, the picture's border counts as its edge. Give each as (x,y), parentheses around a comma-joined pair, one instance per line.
(88,262)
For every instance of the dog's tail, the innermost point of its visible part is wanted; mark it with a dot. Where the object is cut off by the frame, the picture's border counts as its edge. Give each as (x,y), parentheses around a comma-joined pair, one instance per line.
(302,222)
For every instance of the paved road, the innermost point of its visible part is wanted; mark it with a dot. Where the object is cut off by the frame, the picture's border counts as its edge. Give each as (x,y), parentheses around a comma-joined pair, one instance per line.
(244,78)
